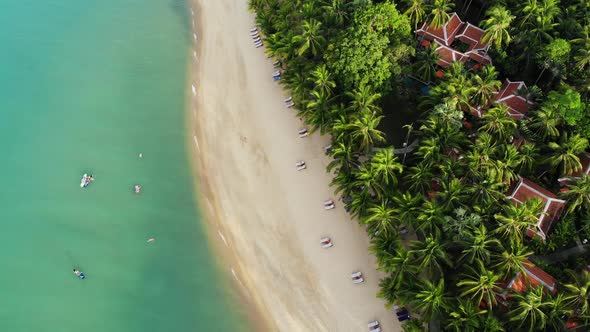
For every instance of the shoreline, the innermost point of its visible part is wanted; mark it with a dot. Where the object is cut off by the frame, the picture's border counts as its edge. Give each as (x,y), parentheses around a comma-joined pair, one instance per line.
(249,191)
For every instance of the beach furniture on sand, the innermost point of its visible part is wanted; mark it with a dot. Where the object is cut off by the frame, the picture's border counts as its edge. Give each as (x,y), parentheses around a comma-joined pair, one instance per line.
(373,324)
(276,78)
(257,40)
(328,149)
(377,329)
(259,44)
(357,277)
(403,318)
(300,165)
(326,242)
(254,29)
(276,64)
(329,204)
(276,73)
(288,99)
(303,132)
(289,105)
(255,33)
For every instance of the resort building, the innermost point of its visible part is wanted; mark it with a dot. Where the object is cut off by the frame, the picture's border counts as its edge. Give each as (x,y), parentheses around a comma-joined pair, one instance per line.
(517,105)
(524,189)
(533,278)
(457,41)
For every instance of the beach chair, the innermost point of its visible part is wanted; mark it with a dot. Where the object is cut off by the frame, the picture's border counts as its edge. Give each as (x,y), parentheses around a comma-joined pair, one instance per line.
(303,132)
(254,29)
(257,40)
(357,277)
(403,318)
(328,149)
(259,44)
(329,204)
(289,105)
(276,64)
(300,165)
(326,242)
(276,73)
(373,324)
(288,99)
(377,329)
(255,33)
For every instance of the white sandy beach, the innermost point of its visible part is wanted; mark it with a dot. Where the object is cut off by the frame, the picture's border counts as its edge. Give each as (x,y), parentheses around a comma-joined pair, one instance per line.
(271,215)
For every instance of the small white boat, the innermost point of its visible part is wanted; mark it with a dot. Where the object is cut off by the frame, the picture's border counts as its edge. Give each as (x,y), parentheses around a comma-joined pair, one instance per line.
(137,189)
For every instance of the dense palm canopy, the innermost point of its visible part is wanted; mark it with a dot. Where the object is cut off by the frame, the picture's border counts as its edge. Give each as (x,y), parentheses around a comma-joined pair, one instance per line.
(440,225)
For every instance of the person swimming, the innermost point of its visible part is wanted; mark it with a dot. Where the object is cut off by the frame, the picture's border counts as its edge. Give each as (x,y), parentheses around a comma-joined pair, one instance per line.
(79,274)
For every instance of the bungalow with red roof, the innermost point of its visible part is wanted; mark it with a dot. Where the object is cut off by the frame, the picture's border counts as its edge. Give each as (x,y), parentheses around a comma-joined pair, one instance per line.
(533,278)
(445,37)
(517,105)
(525,189)
(585,171)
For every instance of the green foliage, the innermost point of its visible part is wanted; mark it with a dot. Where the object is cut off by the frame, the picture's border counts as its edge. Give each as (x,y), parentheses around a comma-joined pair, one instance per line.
(568,105)
(371,50)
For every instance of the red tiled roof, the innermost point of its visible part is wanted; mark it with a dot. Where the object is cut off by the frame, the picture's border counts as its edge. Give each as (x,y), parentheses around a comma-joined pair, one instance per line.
(517,105)
(447,55)
(533,277)
(525,189)
(445,35)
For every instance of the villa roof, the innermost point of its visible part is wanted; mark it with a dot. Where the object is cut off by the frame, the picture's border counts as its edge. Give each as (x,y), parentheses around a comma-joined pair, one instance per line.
(517,105)
(523,190)
(533,277)
(457,29)
(444,35)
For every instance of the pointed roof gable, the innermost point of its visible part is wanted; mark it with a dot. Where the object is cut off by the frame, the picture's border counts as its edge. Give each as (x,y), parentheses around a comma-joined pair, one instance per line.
(524,189)
(533,277)
(444,35)
(517,106)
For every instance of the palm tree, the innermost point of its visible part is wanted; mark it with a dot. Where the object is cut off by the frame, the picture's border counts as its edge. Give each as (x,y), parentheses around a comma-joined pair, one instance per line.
(486,84)
(498,123)
(407,206)
(452,194)
(516,219)
(337,11)
(430,254)
(364,132)
(545,122)
(440,13)
(419,177)
(430,218)
(578,292)
(311,37)
(322,79)
(528,310)
(426,62)
(385,165)
(465,317)
(415,12)
(479,245)
(380,218)
(317,111)
(484,191)
(513,259)
(431,299)
(458,227)
(529,154)
(344,183)
(361,200)
(481,284)
(400,267)
(345,157)
(497,26)
(578,195)
(364,100)
(565,155)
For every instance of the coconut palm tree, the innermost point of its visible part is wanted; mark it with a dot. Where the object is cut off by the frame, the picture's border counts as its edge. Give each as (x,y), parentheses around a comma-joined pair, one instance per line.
(458,227)
(557,310)
(426,62)
(407,206)
(311,38)
(498,123)
(431,299)
(513,259)
(497,26)
(440,13)
(452,194)
(419,177)
(317,112)
(344,183)
(565,155)
(465,316)
(337,11)
(578,293)
(364,132)
(528,310)
(529,154)
(479,245)
(361,200)
(416,11)
(578,195)
(545,122)
(516,219)
(364,100)
(401,267)
(430,254)
(480,284)
(486,83)
(380,218)
(430,218)
(345,157)
(385,166)
(323,80)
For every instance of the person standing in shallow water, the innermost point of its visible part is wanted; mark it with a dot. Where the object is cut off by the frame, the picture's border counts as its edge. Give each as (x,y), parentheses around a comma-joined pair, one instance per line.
(79,274)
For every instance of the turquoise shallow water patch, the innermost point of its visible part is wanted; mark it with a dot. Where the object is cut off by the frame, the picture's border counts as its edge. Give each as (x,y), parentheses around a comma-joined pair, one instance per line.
(84,87)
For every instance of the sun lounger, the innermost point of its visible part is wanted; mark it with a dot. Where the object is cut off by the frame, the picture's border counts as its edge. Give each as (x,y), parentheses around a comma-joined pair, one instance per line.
(257,40)
(358,281)
(276,73)
(328,148)
(289,105)
(402,312)
(259,44)
(255,33)
(356,274)
(300,165)
(254,29)
(301,168)
(373,324)
(377,329)
(276,64)
(326,242)
(403,318)
(288,99)
(303,132)
(276,78)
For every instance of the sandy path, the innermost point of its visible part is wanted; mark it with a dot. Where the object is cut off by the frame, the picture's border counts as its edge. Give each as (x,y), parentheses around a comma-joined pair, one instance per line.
(270,214)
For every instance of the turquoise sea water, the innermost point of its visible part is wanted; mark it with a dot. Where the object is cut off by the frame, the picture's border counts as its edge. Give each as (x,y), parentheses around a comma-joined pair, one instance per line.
(85,85)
